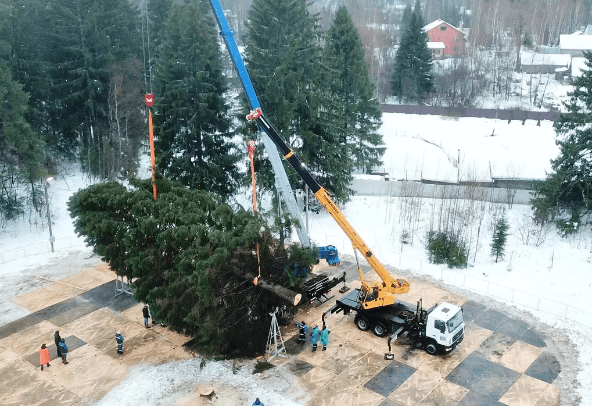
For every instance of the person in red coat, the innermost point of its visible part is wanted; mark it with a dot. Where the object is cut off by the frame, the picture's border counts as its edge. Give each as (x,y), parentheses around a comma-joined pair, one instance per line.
(44,356)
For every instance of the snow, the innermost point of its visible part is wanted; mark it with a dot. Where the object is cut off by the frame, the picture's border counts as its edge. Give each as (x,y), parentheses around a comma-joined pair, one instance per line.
(554,277)
(575,42)
(578,65)
(436,45)
(533,58)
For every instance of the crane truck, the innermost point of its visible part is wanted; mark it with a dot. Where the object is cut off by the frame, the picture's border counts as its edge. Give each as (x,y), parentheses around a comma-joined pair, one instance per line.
(374,302)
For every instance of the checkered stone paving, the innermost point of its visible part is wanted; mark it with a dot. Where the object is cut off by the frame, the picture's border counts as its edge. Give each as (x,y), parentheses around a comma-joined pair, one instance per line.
(501,361)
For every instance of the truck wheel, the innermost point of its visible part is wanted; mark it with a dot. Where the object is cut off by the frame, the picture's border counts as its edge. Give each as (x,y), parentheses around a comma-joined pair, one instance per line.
(379,329)
(362,323)
(431,347)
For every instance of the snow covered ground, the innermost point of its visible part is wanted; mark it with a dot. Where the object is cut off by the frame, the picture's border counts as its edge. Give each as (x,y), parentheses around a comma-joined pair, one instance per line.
(554,277)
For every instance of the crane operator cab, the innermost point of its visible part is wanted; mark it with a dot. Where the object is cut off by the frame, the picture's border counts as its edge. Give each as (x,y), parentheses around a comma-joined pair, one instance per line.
(445,328)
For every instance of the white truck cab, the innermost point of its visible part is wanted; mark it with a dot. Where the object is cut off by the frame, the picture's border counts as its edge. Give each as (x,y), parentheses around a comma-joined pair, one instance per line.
(444,328)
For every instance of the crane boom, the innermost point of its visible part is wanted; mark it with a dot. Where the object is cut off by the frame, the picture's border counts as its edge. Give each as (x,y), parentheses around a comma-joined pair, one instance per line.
(281,179)
(376,294)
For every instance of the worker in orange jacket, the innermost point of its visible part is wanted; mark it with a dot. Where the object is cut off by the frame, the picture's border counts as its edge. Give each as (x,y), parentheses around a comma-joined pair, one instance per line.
(43,356)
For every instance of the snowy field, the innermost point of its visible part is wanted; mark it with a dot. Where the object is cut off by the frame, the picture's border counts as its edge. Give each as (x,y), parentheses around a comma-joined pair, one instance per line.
(550,284)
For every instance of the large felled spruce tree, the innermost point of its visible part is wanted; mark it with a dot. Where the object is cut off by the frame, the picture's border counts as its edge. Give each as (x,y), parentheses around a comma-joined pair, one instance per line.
(359,110)
(190,256)
(192,122)
(566,194)
(412,79)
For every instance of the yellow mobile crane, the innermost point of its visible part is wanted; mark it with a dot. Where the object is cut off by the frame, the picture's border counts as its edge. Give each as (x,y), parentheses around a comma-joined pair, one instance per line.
(374,294)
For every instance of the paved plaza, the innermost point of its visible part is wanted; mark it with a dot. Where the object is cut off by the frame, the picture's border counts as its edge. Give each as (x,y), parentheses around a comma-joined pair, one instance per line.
(502,360)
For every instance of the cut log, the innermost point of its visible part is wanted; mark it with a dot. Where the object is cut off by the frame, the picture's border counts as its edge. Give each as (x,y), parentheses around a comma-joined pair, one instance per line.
(206,391)
(280,291)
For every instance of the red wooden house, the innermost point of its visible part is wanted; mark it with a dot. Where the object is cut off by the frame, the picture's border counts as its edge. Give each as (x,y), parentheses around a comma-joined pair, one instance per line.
(454,40)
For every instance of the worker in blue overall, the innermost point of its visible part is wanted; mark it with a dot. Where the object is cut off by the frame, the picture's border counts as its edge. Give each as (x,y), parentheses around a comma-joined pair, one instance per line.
(302,332)
(119,339)
(314,337)
(325,337)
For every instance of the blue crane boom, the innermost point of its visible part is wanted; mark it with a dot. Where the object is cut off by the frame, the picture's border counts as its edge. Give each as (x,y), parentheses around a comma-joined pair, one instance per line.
(281,179)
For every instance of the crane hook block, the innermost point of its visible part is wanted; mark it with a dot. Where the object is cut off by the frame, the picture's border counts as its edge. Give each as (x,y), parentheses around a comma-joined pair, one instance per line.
(254,114)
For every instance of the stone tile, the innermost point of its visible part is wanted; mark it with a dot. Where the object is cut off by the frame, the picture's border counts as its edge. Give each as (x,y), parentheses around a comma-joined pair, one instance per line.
(102,295)
(23,384)
(513,328)
(146,348)
(549,397)
(443,364)
(106,342)
(472,309)
(298,367)
(63,398)
(97,324)
(89,373)
(88,279)
(7,357)
(134,313)
(474,336)
(18,325)
(469,371)
(533,337)
(123,302)
(477,399)
(45,296)
(74,314)
(340,357)
(54,310)
(445,394)
(494,346)
(520,356)
(390,378)
(72,342)
(293,347)
(450,297)
(525,392)
(360,371)
(330,397)
(390,402)
(408,354)
(545,368)
(490,319)
(23,342)
(495,382)
(173,336)
(429,294)
(417,387)
(316,378)
(365,397)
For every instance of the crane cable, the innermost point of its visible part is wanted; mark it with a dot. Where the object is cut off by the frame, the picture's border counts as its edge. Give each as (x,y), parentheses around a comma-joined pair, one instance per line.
(251,149)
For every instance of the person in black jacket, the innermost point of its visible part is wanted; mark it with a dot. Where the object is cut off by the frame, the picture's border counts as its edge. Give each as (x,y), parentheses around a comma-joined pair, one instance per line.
(146,315)
(57,339)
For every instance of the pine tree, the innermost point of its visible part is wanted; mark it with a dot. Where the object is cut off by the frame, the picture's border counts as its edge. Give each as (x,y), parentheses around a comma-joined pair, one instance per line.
(193,138)
(500,236)
(412,79)
(359,110)
(568,189)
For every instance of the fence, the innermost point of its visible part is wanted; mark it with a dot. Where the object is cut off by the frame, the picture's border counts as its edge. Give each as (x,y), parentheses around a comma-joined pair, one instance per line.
(499,114)
(474,284)
(24,251)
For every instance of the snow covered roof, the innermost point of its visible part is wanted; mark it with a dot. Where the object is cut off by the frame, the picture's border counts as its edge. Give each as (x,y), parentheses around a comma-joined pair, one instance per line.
(576,42)
(588,30)
(438,45)
(578,65)
(533,58)
(436,23)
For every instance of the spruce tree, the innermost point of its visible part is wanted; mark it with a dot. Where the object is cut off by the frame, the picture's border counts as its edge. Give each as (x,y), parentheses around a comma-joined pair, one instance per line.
(187,253)
(500,236)
(567,190)
(359,109)
(412,79)
(193,138)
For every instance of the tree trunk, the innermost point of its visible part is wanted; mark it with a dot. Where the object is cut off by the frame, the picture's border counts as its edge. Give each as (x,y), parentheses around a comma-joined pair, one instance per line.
(277,290)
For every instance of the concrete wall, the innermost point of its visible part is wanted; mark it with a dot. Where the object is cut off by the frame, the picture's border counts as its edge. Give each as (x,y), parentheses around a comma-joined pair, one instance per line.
(366,187)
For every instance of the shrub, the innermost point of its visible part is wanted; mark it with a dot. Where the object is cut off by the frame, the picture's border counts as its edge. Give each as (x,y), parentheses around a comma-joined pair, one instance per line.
(445,249)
